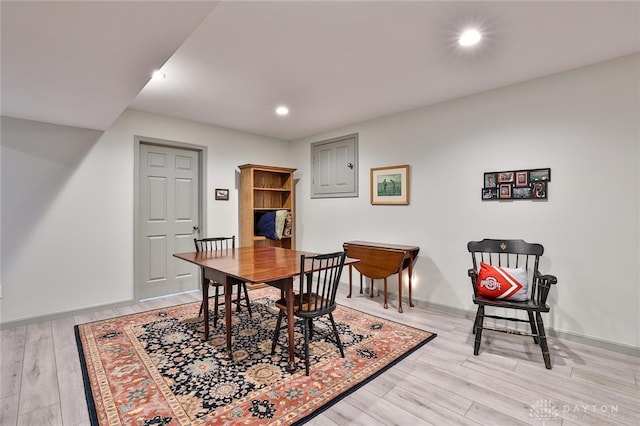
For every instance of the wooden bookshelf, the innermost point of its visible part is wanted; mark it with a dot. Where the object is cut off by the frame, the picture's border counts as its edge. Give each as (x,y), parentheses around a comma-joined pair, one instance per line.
(262,189)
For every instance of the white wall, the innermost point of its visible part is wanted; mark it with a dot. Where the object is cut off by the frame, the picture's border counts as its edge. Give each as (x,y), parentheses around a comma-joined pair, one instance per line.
(67,197)
(68,207)
(583,124)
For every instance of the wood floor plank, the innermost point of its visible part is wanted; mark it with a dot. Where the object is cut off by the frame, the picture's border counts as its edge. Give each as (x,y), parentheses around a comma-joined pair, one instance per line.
(39,387)
(12,343)
(381,385)
(604,381)
(442,350)
(49,415)
(38,331)
(11,379)
(426,408)
(84,318)
(619,375)
(62,331)
(69,374)
(345,413)
(486,415)
(124,310)
(9,410)
(321,420)
(433,394)
(73,407)
(106,314)
(383,411)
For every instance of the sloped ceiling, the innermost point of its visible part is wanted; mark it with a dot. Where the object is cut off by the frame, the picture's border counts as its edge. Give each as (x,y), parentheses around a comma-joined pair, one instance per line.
(82,63)
(332,63)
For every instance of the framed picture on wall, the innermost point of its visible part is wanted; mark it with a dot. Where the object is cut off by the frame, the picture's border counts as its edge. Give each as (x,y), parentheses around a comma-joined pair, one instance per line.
(390,185)
(505,177)
(522,193)
(489,180)
(489,193)
(539,190)
(522,179)
(222,194)
(540,175)
(505,190)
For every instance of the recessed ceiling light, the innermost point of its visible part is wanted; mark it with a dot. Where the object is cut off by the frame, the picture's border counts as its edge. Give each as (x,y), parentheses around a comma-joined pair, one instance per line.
(282,110)
(469,38)
(157,75)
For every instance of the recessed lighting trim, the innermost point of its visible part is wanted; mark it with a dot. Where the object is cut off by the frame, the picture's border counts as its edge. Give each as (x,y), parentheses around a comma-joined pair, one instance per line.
(470,37)
(157,75)
(282,110)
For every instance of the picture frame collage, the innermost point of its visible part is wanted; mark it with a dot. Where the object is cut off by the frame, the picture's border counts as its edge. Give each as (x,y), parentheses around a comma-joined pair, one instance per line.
(529,184)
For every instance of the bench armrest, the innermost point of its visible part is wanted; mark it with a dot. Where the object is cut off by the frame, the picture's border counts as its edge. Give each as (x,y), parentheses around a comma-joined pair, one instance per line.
(543,284)
(550,279)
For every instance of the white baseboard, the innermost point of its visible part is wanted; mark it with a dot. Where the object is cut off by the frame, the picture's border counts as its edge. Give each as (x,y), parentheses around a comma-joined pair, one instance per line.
(598,343)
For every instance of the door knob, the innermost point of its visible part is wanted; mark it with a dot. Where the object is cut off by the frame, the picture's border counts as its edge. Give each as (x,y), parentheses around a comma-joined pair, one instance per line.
(196,228)
(350,165)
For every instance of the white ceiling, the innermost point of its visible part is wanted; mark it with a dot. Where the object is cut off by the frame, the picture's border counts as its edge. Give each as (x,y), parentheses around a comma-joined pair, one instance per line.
(333,63)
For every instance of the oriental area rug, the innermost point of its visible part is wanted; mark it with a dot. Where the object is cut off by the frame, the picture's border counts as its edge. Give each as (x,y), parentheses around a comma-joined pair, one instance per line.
(153,368)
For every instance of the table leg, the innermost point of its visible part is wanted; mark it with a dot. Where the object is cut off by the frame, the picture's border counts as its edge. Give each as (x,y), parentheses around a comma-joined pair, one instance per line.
(400,289)
(228,289)
(360,283)
(350,277)
(386,305)
(371,289)
(410,275)
(205,305)
(288,284)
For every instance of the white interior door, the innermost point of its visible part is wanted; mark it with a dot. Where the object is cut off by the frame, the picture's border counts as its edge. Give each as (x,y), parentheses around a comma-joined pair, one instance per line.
(168,219)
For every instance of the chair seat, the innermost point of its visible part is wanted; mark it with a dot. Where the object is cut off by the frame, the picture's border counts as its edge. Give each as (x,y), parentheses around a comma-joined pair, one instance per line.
(526,305)
(307,301)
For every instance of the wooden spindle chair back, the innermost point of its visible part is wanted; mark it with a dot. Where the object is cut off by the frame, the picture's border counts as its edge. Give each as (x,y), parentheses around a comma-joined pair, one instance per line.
(218,244)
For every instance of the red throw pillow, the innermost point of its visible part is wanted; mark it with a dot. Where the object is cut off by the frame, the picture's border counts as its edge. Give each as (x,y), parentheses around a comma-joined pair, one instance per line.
(502,283)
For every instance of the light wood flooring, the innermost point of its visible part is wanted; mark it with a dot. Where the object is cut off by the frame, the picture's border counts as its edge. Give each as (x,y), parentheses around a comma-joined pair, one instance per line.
(442,383)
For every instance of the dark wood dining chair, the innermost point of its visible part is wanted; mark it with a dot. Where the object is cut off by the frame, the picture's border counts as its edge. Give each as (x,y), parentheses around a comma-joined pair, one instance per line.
(316,297)
(242,298)
(505,275)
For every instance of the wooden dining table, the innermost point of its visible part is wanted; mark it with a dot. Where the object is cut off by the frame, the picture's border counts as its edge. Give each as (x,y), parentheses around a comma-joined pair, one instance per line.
(274,266)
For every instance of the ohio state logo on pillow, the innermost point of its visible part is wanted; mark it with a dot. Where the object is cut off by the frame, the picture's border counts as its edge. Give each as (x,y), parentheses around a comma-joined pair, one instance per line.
(502,283)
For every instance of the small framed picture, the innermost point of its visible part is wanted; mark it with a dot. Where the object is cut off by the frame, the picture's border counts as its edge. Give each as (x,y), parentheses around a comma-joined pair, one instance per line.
(390,185)
(504,177)
(490,180)
(522,179)
(490,193)
(523,193)
(540,175)
(539,190)
(222,194)
(505,190)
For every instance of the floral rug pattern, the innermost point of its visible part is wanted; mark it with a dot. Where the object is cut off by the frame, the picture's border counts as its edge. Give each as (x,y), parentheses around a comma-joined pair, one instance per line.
(153,368)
